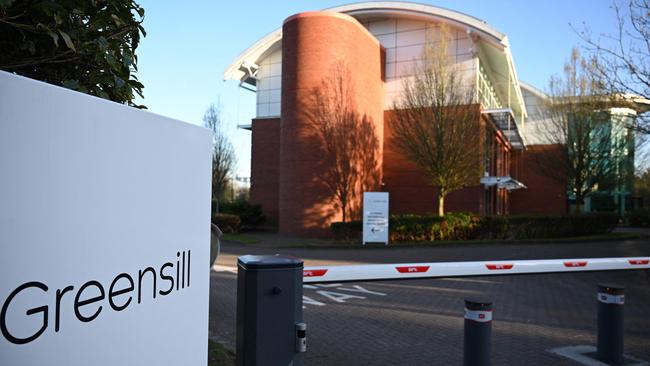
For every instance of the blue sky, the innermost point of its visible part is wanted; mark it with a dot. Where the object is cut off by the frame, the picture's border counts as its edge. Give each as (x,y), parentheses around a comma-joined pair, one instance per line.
(190,44)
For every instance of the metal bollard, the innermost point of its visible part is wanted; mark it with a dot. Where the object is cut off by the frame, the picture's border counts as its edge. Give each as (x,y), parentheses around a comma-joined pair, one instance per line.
(611,299)
(270,330)
(478,332)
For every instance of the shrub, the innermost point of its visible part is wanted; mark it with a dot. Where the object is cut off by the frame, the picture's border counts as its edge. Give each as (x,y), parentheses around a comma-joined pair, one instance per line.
(468,226)
(411,227)
(593,223)
(559,226)
(453,226)
(639,218)
(227,223)
(538,227)
(250,215)
(493,227)
(347,231)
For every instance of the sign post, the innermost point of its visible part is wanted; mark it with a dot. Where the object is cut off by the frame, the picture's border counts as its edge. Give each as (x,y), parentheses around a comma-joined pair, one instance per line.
(375,217)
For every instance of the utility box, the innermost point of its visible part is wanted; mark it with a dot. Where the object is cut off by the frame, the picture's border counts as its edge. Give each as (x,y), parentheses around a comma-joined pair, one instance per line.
(270,328)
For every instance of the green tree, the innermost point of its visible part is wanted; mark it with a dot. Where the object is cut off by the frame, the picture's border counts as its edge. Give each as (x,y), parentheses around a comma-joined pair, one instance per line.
(84,45)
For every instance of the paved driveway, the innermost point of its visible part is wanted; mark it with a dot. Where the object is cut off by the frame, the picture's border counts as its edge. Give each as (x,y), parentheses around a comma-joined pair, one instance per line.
(419,322)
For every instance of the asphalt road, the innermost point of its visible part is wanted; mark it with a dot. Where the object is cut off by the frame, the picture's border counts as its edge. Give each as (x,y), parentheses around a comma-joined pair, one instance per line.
(420,322)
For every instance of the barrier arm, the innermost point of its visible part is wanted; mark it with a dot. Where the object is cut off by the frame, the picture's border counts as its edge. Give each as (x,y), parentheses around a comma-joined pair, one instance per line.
(370,272)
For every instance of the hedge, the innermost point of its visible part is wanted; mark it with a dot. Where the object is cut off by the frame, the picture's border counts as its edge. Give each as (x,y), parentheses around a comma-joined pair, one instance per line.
(639,218)
(468,226)
(227,223)
(558,226)
(454,226)
(250,214)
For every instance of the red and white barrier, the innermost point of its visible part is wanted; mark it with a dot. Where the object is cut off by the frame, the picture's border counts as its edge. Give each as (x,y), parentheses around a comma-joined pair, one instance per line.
(369,272)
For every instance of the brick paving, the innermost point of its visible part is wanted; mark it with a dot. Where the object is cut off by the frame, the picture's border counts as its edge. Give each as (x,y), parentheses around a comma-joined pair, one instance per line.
(419,322)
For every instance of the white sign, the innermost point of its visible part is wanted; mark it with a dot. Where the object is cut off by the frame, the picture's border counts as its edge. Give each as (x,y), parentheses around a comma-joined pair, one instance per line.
(104,231)
(375,217)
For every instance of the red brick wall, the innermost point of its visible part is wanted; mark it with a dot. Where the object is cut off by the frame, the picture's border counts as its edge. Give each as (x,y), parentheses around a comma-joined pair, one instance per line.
(265,168)
(312,43)
(544,195)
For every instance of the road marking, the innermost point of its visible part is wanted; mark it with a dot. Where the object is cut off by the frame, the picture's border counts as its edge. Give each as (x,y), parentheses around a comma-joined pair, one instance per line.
(338,297)
(306,300)
(362,290)
(341,295)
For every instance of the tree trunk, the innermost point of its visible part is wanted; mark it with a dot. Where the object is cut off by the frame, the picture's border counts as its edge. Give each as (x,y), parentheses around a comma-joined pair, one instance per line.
(580,202)
(441,204)
(344,209)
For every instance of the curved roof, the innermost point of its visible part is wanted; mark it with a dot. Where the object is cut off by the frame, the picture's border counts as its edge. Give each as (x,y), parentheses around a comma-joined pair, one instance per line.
(271,41)
(423,11)
(376,9)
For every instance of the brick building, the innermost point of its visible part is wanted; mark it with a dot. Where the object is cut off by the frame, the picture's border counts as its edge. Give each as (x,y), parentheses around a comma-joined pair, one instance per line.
(379,41)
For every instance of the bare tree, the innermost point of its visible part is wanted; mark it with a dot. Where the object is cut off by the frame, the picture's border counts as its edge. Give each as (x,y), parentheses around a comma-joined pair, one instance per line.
(623,58)
(436,122)
(642,186)
(223,154)
(623,65)
(577,122)
(348,140)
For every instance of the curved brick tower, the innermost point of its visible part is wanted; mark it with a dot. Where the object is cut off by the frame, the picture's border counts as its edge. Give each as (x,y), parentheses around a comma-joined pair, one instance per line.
(312,43)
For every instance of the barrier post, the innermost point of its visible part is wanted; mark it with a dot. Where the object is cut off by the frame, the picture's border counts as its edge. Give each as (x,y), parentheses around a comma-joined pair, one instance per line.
(478,332)
(611,300)
(270,330)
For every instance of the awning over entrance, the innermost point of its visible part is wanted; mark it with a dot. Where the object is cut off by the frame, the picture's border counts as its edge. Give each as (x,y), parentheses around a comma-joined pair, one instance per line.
(506,182)
(504,119)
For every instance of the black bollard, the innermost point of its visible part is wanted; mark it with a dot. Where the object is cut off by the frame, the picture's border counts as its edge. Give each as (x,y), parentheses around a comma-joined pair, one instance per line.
(610,323)
(270,328)
(478,332)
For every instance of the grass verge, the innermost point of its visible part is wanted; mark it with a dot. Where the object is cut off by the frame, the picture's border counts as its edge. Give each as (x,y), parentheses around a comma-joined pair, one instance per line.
(219,355)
